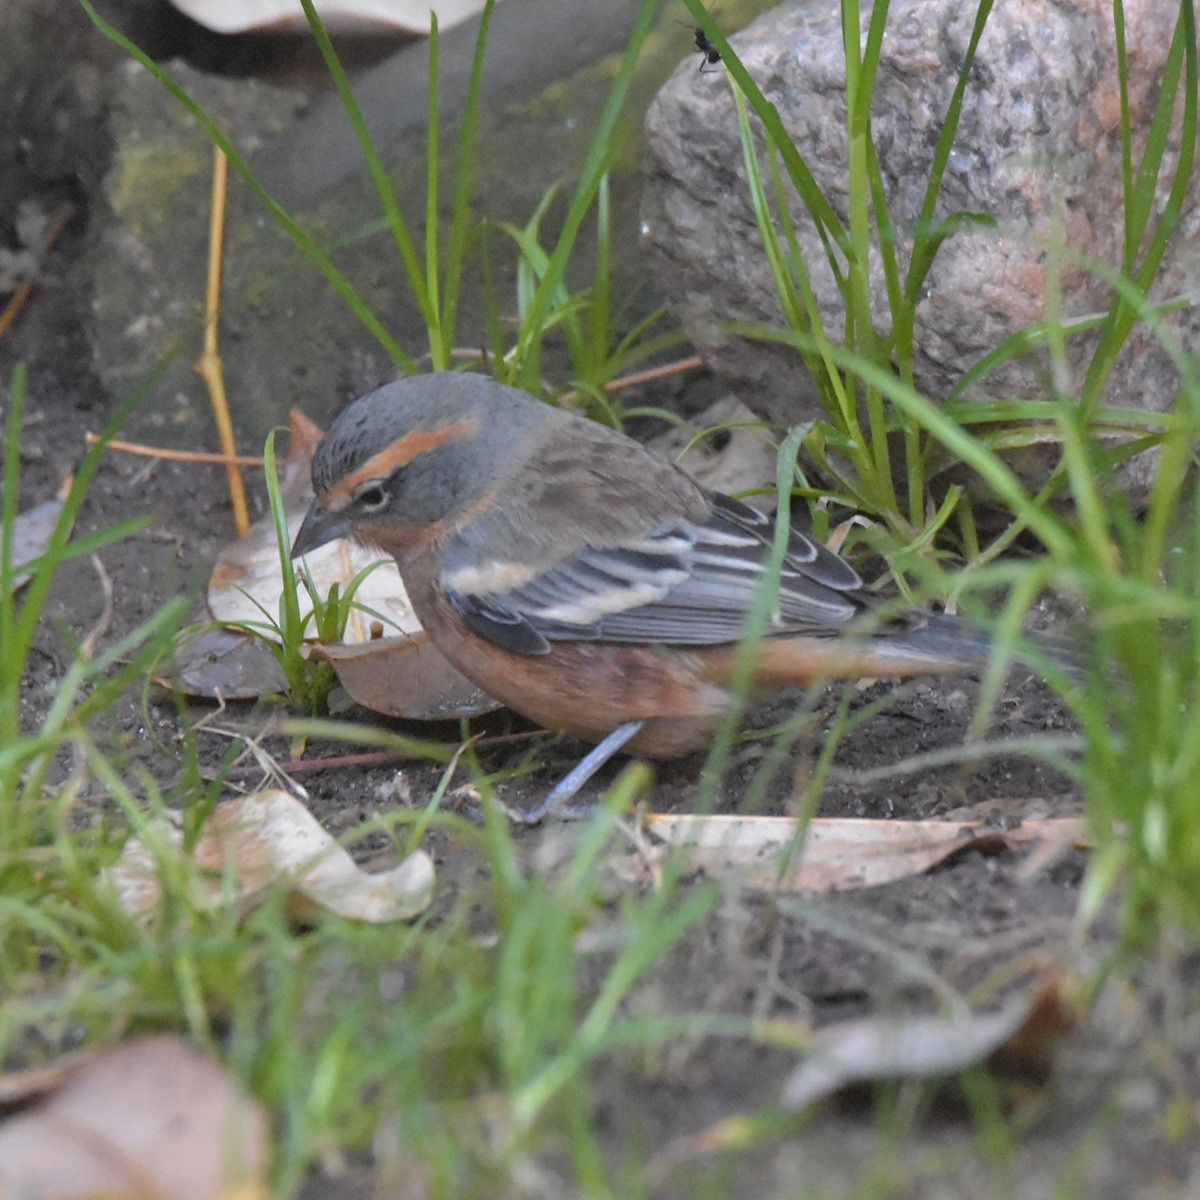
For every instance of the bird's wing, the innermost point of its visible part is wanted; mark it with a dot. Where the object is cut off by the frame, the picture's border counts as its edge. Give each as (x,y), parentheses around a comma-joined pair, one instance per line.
(685,583)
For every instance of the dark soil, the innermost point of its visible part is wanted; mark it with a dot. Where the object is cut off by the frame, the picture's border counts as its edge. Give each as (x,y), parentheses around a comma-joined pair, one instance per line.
(1096,1119)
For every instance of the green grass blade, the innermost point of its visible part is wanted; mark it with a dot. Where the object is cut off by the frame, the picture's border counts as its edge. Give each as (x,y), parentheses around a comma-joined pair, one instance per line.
(438,349)
(12,653)
(756,622)
(600,307)
(594,167)
(88,544)
(931,418)
(829,225)
(1130,251)
(463,164)
(1140,205)
(401,235)
(922,258)
(33,600)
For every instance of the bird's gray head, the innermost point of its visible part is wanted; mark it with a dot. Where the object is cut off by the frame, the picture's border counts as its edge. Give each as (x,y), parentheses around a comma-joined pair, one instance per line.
(414,453)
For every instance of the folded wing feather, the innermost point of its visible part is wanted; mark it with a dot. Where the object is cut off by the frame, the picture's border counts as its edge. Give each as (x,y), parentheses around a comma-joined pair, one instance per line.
(689,583)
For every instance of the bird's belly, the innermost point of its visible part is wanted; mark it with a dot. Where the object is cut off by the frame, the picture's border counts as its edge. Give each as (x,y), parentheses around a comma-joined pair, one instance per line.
(585,688)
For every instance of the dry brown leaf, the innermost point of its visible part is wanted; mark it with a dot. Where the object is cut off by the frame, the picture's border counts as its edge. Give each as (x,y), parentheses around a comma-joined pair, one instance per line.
(150,1118)
(1026,1029)
(841,854)
(215,661)
(837,539)
(404,677)
(269,836)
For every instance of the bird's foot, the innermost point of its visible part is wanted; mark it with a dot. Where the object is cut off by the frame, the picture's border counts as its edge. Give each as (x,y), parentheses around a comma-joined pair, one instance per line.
(568,787)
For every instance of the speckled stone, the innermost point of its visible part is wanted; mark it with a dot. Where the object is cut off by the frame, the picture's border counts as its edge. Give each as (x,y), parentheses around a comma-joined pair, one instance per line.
(1038,148)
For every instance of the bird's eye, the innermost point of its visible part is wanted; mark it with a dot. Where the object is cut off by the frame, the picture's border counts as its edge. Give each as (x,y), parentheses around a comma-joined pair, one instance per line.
(372,498)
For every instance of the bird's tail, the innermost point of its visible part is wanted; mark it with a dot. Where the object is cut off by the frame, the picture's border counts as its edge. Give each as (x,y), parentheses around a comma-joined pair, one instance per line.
(950,643)
(929,644)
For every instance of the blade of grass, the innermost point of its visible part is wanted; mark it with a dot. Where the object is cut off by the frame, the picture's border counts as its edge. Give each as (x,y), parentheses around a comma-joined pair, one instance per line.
(995,473)
(861,333)
(755,627)
(438,346)
(464,162)
(829,226)
(20,621)
(789,274)
(926,227)
(1139,205)
(401,235)
(526,355)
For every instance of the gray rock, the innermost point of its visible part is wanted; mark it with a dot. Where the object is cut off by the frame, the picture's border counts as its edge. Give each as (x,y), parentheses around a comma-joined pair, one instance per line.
(1038,148)
(145,268)
(286,337)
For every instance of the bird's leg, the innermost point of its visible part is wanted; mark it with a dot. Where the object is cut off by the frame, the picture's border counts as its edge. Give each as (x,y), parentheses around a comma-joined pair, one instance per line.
(587,766)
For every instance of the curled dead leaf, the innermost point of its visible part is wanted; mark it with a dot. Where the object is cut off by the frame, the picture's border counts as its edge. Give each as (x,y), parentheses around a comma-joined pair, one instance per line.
(404,677)
(841,854)
(1025,1030)
(269,836)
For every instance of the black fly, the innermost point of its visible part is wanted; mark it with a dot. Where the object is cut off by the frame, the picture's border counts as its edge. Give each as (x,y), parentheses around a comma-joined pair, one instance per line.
(709,54)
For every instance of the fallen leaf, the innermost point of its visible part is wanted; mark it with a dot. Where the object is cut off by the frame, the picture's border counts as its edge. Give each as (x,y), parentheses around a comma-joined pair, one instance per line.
(837,539)
(31,534)
(1027,1029)
(404,677)
(840,854)
(265,837)
(152,1118)
(216,661)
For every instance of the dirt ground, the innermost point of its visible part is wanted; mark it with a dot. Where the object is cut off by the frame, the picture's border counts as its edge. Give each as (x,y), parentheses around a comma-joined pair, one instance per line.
(1094,1121)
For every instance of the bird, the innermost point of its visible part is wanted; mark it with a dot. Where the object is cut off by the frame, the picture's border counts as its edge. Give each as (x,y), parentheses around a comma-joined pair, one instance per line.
(586,582)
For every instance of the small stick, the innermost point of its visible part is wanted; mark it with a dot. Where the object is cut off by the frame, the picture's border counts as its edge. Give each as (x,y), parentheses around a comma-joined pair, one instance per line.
(653,373)
(647,376)
(209,367)
(190,456)
(383,758)
(87,647)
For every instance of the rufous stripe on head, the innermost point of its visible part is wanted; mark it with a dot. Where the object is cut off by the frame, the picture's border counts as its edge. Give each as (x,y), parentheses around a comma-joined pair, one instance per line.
(398,454)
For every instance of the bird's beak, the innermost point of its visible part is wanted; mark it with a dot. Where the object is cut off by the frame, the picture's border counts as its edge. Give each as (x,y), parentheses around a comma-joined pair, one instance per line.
(318,528)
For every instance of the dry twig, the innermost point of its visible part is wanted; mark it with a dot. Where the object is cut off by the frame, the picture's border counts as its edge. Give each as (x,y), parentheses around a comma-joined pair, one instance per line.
(209,367)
